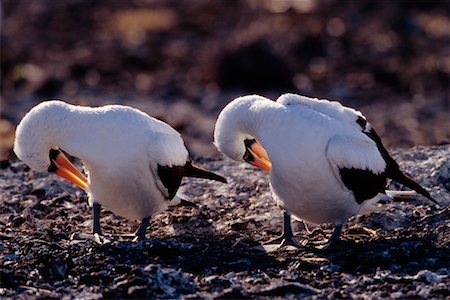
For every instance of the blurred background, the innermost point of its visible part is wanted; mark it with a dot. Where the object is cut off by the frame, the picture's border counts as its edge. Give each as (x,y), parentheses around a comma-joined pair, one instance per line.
(182,61)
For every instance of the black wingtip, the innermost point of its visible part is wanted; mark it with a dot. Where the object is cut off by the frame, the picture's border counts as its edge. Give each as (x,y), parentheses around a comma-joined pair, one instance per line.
(392,168)
(191,170)
(428,196)
(412,184)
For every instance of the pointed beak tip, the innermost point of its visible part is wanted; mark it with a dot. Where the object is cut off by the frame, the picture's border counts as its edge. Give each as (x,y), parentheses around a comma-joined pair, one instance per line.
(66,170)
(260,157)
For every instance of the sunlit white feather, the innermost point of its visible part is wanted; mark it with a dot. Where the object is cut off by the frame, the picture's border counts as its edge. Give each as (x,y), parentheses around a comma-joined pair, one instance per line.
(119,146)
(307,141)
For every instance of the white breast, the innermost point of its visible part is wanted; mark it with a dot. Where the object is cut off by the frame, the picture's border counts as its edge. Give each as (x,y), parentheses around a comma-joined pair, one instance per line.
(123,171)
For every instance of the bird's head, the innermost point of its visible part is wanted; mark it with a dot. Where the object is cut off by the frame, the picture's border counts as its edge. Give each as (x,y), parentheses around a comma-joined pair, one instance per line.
(35,142)
(236,130)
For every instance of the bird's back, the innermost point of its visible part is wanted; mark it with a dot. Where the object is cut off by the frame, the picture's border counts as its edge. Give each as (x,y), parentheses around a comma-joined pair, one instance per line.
(331,109)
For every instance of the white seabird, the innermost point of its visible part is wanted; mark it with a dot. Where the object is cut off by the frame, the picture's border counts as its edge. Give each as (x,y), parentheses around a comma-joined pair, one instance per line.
(326,162)
(134,163)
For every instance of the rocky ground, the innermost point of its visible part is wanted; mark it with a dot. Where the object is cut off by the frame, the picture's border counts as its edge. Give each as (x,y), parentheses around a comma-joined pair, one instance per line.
(215,249)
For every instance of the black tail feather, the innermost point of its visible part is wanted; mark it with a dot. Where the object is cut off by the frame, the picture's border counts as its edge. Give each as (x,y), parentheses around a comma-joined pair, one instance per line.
(393,170)
(191,170)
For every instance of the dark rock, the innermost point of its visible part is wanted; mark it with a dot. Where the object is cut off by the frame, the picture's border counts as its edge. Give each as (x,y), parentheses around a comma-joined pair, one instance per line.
(39,193)
(291,288)
(16,222)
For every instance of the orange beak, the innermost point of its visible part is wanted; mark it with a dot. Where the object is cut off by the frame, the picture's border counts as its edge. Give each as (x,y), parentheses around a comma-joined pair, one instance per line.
(66,170)
(260,158)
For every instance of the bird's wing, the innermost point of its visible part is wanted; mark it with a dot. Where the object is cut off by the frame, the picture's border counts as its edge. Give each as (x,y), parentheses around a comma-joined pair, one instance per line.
(332,109)
(357,165)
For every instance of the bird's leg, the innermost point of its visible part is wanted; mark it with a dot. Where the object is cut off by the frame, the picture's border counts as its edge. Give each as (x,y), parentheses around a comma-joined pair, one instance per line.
(96,219)
(287,237)
(140,232)
(333,240)
(96,228)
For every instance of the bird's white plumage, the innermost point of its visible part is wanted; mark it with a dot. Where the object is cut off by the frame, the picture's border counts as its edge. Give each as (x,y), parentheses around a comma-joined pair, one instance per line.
(332,109)
(120,148)
(307,140)
(351,152)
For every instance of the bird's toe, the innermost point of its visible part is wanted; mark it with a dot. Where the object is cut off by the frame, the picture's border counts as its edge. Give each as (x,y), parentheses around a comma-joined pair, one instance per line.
(77,238)
(285,241)
(100,239)
(138,238)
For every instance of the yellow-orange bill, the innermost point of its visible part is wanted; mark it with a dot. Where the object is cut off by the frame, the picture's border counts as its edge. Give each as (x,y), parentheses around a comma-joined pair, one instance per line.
(67,170)
(260,151)
(261,159)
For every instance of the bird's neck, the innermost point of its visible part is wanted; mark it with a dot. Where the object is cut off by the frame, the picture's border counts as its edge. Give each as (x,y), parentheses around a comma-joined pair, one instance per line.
(69,132)
(236,125)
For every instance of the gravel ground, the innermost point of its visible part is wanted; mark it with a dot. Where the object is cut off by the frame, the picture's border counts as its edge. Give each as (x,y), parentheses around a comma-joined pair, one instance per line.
(215,249)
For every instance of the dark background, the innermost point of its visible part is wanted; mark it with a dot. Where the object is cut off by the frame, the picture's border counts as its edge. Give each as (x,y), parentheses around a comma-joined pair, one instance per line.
(182,61)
